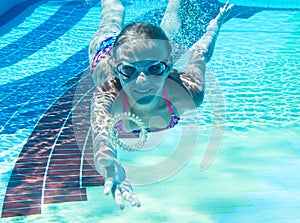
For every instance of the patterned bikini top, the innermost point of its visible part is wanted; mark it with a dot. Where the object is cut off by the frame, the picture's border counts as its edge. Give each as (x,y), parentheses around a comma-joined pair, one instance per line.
(174,121)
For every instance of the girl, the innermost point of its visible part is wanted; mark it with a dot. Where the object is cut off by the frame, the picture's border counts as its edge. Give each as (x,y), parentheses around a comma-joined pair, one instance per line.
(132,68)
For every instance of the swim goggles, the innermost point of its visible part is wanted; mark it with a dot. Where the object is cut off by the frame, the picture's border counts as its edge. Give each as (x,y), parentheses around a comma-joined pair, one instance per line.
(129,71)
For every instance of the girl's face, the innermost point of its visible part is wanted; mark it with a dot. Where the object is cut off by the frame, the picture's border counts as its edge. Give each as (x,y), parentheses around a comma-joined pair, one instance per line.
(142,71)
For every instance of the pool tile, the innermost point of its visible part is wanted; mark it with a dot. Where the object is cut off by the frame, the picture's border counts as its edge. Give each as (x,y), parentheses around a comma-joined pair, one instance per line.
(25,190)
(225,218)
(58,173)
(23,197)
(73,191)
(63,167)
(22,204)
(284,214)
(64,195)
(68,198)
(253,184)
(67,184)
(272,199)
(33,160)
(26,183)
(20,212)
(55,212)
(223,210)
(247,217)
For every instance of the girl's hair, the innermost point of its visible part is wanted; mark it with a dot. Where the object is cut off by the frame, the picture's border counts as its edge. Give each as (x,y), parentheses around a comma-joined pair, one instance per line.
(141,30)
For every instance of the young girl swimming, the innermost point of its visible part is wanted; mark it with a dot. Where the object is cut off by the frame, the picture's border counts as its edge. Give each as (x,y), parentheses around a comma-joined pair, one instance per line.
(132,67)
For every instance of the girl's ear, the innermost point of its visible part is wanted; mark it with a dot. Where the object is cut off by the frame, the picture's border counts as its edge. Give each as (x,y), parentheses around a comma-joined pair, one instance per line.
(170,63)
(171,59)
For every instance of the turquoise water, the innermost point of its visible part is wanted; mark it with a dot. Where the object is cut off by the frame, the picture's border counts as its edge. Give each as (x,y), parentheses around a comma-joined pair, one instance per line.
(252,93)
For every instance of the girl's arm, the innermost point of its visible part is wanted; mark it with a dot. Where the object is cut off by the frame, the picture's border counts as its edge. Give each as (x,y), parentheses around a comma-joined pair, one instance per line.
(112,20)
(105,155)
(205,46)
(200,54)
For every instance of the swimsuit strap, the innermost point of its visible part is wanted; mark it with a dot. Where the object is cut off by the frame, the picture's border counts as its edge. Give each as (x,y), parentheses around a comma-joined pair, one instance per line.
(166,98)
(125,103)
(168,101)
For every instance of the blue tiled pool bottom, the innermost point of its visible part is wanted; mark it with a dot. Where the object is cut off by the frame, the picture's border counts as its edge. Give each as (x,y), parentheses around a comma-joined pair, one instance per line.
(253,177)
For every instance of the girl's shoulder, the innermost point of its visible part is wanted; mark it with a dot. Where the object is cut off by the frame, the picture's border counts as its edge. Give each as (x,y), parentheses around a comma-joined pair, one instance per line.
(110,85)
(182,90)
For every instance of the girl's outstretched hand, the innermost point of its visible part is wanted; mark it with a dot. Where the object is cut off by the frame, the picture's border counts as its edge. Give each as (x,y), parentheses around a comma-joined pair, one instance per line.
(224,12)
(119,186)
(121,192)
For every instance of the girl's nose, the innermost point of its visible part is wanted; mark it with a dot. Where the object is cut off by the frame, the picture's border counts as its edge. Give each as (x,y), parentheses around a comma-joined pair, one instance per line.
(141,78)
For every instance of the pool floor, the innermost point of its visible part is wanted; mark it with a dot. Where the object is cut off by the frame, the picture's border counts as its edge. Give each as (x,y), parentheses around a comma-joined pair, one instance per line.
(46,167)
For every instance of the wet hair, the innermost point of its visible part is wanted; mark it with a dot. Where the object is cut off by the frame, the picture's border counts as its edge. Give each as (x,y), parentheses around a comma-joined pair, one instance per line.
(141,30)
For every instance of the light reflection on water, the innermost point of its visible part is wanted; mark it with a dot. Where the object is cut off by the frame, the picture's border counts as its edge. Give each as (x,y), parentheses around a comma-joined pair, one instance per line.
(259,81)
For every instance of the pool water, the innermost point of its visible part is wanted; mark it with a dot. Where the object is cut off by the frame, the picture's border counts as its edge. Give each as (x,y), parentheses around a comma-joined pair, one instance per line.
(252,95)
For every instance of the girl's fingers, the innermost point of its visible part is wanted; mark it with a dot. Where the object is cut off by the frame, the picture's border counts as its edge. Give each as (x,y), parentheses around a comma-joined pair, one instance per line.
(108,186)
(129,196)
(119,198)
